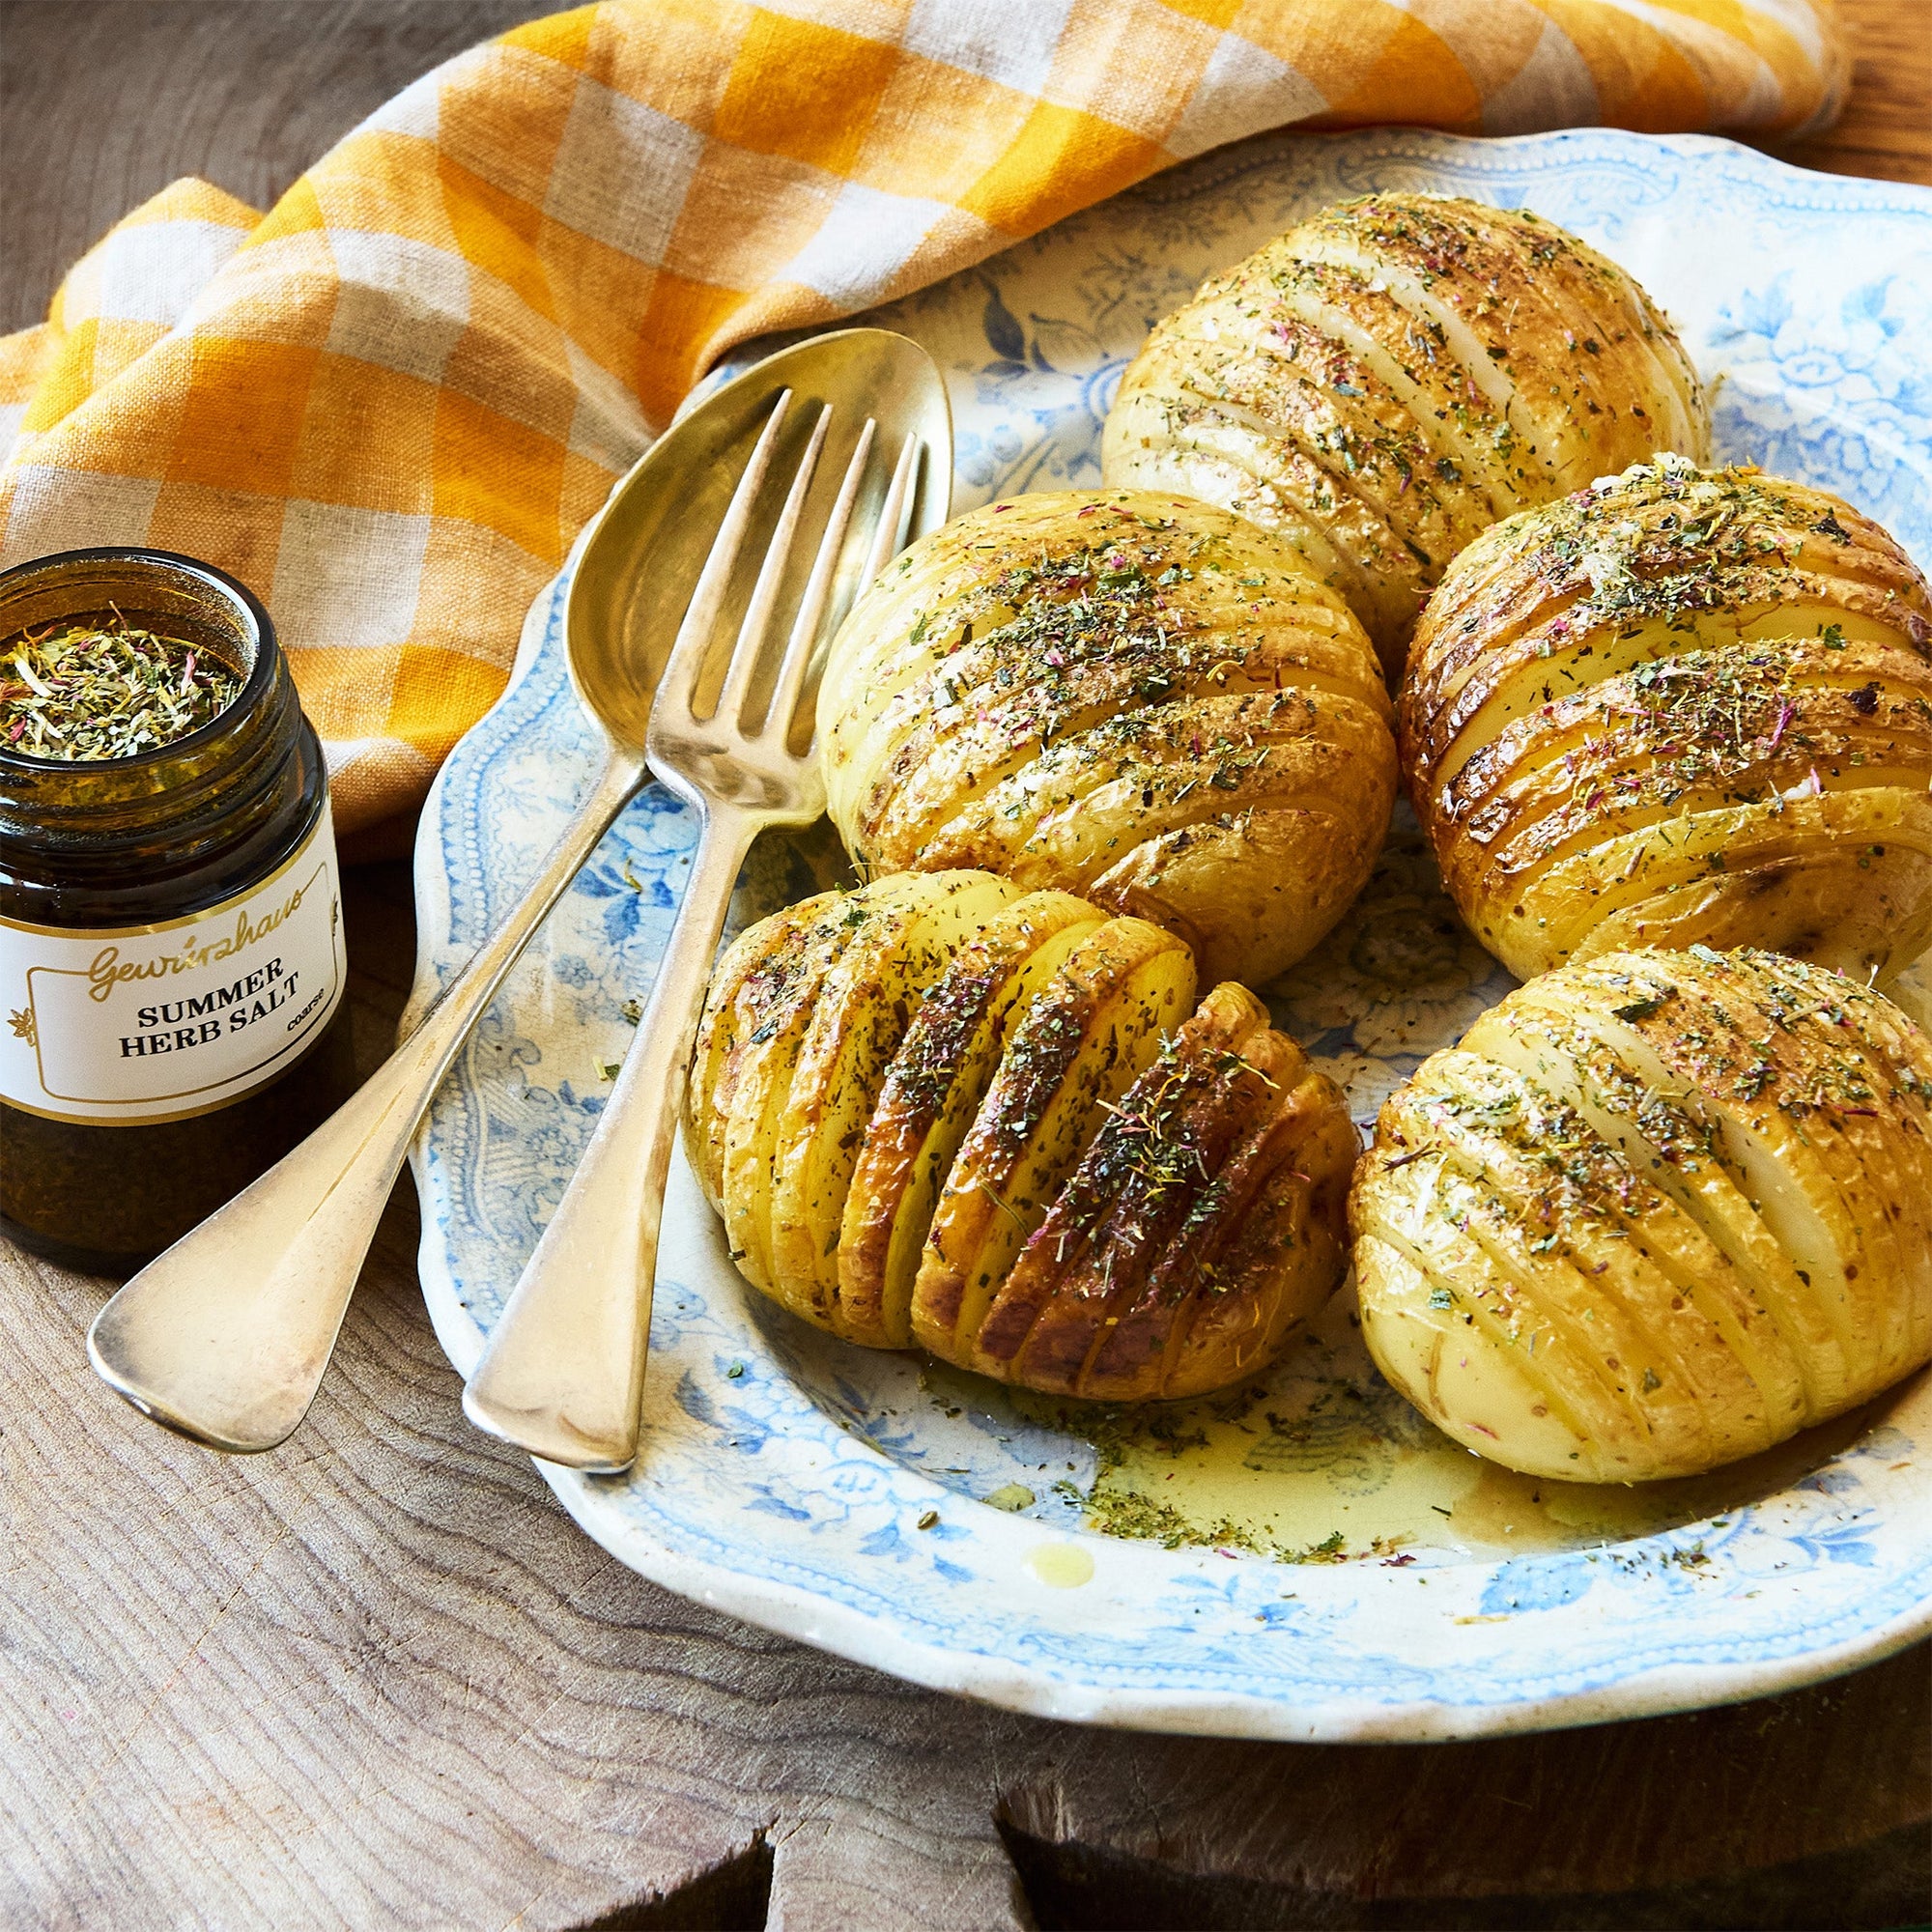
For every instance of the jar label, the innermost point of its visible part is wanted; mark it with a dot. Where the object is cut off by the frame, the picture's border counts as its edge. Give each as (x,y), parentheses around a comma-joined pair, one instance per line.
(160,1022)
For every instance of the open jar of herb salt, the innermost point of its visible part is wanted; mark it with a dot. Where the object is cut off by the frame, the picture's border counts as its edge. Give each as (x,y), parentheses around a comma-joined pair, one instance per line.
(172,1011)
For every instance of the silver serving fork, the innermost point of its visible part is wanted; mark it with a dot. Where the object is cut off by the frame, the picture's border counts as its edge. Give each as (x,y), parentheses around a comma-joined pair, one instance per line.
(563,1373)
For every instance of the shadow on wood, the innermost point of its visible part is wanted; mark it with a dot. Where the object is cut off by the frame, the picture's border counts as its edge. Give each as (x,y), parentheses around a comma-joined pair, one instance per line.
(730,1897)
(1075,1888)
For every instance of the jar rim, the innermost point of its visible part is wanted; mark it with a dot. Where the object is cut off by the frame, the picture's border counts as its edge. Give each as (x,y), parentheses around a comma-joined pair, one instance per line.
(248,607)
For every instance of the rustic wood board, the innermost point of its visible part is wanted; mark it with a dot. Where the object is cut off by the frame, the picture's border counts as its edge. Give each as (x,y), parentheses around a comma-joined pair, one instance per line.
(378,1678)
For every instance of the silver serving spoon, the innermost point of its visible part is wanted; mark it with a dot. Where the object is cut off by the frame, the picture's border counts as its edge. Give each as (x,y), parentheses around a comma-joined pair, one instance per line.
(226,1335)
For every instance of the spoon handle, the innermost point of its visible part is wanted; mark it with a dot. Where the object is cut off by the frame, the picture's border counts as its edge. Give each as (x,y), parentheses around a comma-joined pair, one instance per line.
(563,1373)
(226,1335)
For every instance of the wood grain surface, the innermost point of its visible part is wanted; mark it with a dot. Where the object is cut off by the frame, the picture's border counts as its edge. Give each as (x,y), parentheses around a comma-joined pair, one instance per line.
(379,1678)
(1887,127)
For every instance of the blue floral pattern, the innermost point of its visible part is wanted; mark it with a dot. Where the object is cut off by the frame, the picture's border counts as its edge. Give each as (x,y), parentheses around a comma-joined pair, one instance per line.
(840,1495)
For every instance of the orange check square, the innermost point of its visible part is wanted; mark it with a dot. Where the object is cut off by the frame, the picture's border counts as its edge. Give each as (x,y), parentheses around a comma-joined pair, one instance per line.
(492,470)
(1062,159)
(804,91)
(241,428)
(938,129)
(367,439)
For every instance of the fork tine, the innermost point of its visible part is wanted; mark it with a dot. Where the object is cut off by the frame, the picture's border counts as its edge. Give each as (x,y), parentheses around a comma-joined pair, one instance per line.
(890,533)
(678,683)
(790,679)
(749,647)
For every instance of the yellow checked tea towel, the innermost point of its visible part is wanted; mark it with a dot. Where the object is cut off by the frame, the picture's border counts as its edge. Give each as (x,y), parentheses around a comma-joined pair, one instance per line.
(388,405)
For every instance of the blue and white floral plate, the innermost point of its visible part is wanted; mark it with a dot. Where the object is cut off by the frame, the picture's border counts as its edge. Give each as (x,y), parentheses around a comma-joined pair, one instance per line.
(1308,1559)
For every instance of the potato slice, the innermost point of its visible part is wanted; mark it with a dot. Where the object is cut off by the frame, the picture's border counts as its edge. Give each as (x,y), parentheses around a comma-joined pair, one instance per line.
(863,1008)
(1633,1100)
(1480,1395)
(932,1094)
(751,1090)
(1204,1222)
(1265,1252)
(1149,1165)
(1837,1107)
(1258,1251)
(1892,1060)
(746,981)
(1081,1044)
(1617,1257)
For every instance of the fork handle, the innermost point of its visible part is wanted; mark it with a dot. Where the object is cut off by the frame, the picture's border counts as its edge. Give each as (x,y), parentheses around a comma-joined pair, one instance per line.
(563,1373)
(226,1335)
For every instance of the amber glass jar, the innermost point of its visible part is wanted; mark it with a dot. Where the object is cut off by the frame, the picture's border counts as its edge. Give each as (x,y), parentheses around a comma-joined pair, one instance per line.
(172,977)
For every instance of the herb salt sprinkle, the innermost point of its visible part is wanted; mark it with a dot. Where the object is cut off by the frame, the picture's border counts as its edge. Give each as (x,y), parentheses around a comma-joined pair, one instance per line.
(87,691)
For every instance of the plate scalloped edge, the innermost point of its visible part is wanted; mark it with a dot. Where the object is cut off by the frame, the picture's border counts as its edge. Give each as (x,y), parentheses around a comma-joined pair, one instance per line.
(784,1475)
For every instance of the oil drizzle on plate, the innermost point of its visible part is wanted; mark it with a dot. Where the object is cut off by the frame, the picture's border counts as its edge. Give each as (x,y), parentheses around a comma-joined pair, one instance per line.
(1062,1566)
(1321,1460)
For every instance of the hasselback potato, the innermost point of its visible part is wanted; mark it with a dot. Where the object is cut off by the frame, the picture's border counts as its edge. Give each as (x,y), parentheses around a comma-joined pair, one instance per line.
(943,1111)
(1680,706)
(1382,382)
(1136,698)
(1656,1211)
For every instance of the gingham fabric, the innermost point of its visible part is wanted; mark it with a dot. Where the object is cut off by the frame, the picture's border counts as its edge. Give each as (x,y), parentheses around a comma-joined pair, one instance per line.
(388,405)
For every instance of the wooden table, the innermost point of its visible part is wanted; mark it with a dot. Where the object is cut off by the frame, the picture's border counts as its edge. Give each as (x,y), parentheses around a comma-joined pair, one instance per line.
(378,1679)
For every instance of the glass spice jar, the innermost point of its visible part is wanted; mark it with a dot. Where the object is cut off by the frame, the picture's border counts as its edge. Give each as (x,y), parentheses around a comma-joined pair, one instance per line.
(172,971)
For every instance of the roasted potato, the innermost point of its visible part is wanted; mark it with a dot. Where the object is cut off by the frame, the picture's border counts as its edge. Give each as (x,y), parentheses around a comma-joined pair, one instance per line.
(858,1021)
(1137,698)
(941,1111)
(1657,1212)
(1681,707)
(1072,1053)
(1384,380)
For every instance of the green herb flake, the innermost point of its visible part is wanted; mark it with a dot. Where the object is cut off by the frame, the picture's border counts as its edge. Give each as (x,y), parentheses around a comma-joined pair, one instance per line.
(1330,1549)
(1642,1009)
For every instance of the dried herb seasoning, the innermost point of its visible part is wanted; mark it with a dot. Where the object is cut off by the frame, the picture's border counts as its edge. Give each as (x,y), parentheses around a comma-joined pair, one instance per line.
(106,689)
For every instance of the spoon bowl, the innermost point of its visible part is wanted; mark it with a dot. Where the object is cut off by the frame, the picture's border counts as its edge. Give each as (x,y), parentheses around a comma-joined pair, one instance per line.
(634,581)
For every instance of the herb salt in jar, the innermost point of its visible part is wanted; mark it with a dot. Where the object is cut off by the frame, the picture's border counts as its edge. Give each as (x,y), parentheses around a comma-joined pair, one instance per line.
(172,1019)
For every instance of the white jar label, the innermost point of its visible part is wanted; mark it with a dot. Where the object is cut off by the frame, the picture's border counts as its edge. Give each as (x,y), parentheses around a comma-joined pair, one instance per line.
(160,1022)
